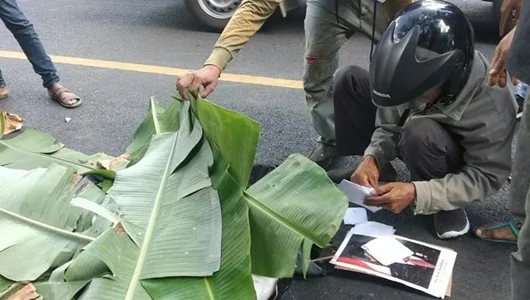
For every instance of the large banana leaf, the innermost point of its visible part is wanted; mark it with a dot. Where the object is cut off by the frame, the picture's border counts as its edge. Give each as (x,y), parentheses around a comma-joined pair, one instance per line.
(34,149)
(233,281)
(168,194)
(37,221)
(293,206)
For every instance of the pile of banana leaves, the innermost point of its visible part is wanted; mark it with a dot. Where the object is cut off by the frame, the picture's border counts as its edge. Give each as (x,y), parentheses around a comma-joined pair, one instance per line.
(171,218)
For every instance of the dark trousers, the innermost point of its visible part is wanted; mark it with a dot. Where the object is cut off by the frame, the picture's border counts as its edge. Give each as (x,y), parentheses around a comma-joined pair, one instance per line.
(29,41)
(425,146)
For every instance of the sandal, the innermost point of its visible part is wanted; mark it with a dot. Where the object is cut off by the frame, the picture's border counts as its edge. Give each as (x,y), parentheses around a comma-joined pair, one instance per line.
(514,227)
(63,96)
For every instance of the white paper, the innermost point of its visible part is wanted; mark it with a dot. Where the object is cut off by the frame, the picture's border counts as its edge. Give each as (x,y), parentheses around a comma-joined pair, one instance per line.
(355,215)
(356,194)
(387,250)
(373,229)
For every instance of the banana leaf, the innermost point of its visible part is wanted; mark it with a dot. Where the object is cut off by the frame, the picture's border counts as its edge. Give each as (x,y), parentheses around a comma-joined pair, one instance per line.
(159,120)
(168,194)
(37,220)
(233,281)
(2,123)
(292,208)
(32,149)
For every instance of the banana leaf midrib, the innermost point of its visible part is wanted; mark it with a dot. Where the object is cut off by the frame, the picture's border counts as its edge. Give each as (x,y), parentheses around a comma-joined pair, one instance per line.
(49,156)
(58,231)
(269,212)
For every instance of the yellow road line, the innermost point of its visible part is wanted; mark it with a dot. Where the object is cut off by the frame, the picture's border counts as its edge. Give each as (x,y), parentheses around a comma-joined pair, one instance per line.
(249,79)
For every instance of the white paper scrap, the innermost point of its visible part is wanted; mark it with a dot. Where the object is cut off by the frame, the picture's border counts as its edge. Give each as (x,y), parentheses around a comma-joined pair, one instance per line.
(355,215)
(387,250)
(356,194)
(373,229)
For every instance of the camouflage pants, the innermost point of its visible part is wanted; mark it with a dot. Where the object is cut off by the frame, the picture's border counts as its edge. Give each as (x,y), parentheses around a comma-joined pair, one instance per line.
(328,26)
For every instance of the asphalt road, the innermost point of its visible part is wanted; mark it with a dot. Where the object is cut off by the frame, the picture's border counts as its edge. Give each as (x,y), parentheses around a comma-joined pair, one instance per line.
(162,32)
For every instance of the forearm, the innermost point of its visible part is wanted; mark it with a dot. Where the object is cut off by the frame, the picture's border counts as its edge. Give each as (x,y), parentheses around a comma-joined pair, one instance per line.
(245,22)
(456,191)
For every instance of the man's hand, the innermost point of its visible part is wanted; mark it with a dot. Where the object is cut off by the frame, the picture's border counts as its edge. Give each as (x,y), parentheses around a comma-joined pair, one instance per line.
(367,173)
(394,196)
(206,77)
(497,74)
(510,11)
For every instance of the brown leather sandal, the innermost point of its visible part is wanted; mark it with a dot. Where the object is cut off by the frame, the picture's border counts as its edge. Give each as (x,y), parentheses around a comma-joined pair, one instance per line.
(63,96)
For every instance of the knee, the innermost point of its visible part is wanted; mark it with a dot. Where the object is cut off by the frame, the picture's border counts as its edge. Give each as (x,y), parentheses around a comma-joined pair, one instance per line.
(18,24)
(347,78)
(418,135)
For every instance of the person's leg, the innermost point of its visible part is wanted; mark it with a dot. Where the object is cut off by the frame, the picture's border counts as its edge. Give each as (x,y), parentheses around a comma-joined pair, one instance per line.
(324,36)
(354,118)
(354,111)
(328,25)
(3,87)
(429,151)
(16,22)
(520,207)
(23,31)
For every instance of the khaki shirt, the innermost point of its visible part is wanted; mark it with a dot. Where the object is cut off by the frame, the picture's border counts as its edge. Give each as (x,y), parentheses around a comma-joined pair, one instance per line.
(252,14)
(484,119)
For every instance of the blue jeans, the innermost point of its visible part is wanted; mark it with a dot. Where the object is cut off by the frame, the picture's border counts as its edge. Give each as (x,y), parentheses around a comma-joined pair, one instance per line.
(522,90)
(29,41)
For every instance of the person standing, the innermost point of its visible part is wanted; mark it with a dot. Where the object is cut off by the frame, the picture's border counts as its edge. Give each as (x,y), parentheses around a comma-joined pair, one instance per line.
(511,55)
(23,31)
(328,25)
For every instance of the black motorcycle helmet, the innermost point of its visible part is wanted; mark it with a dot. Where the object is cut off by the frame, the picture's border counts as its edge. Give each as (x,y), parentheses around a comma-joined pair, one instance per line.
(430,43)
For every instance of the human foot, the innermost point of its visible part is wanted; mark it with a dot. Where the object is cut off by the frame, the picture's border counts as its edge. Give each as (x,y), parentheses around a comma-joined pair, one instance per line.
(498,232)
(4,92)
(64,96)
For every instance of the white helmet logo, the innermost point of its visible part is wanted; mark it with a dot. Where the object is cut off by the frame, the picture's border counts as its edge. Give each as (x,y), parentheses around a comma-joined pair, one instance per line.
(381,94)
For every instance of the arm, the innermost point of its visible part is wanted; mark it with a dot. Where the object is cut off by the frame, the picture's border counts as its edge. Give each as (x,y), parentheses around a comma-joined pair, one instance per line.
(245,22)
(383,146)
(488,164)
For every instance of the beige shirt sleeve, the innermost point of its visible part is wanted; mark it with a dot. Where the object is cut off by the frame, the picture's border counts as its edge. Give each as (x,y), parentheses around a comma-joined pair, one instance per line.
(245,22)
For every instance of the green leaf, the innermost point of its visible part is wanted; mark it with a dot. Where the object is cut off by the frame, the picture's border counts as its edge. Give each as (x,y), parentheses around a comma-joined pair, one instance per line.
(179,209)
(168,194)
(2,124)
(33,149)
(295,203)
(4,283)
(117,251)
(37,220)
(233,281)
(158,121)
(59,290)
(237,138)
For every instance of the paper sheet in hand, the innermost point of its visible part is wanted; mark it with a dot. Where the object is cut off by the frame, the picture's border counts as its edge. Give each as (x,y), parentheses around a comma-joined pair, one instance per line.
(387,250)
(356,194)
(355,215)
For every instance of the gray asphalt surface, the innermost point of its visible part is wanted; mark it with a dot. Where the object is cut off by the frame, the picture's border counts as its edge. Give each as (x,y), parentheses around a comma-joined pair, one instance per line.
(162,32)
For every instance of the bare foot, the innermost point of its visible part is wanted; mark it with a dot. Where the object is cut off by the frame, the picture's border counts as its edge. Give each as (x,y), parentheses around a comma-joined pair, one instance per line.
(495,231)
(64,96)
(4,92)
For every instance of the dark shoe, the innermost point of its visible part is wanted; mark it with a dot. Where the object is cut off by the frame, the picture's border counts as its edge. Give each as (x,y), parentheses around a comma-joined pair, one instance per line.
(323,155)
(520,103)
(4,92)
(388,174)
(451,224)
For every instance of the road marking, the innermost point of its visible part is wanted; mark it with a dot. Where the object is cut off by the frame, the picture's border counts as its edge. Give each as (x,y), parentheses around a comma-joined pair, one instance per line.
(238,78)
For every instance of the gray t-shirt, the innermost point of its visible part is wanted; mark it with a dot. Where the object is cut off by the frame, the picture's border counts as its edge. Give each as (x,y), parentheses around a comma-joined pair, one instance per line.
(518,60)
